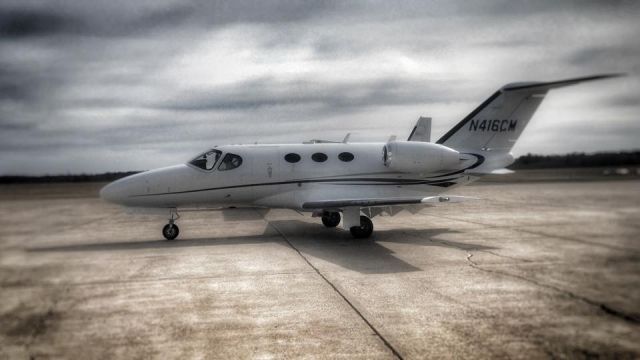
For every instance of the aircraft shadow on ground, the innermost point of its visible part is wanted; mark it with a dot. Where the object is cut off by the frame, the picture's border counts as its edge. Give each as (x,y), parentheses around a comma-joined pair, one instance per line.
(335,246)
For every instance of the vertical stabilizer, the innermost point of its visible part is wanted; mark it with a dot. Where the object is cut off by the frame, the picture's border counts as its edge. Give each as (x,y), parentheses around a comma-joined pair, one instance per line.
(497,123)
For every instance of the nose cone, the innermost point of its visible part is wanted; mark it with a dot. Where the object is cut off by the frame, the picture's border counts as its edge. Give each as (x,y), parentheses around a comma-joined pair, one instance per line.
(115,192)
(145,189)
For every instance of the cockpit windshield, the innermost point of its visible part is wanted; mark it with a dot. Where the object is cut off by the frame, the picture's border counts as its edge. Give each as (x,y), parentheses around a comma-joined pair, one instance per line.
(208,160)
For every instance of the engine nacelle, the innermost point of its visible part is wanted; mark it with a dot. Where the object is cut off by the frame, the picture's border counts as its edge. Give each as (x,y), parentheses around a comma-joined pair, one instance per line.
(419,157)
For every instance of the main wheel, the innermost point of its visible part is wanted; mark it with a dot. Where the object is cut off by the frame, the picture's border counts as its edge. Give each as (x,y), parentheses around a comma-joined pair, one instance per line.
(170,231)
(331,219)
(364,230)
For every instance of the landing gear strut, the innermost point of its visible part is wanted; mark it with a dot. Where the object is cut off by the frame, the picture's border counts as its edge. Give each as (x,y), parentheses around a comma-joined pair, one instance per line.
(331,219)
(171,230)
(364,230)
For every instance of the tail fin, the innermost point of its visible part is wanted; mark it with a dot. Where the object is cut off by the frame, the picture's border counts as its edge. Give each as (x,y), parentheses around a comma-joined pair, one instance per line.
(498,122)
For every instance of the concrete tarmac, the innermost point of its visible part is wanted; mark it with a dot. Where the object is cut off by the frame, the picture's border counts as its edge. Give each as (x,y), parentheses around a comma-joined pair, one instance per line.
(534,270)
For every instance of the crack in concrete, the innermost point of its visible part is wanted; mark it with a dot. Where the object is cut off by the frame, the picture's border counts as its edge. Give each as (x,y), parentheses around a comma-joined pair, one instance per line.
(469,256)
(603,307)
(334,287)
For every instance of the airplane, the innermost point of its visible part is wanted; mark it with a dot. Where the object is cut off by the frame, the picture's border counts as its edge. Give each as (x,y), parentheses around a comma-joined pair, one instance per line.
(343,181)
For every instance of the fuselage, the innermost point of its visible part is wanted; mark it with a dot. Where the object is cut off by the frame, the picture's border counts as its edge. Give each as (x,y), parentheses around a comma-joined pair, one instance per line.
(345,183)
(279,176)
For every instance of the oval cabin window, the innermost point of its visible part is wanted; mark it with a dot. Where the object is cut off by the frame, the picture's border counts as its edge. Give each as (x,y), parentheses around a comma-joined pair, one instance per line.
(292,157)
(345,156)
(319,157)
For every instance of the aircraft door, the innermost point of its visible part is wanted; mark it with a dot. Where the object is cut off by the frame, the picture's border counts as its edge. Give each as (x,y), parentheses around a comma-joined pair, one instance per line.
(266,169)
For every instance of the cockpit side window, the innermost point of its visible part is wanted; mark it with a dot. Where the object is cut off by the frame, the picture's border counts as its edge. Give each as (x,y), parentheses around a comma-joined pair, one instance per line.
(230,161)
(207,161)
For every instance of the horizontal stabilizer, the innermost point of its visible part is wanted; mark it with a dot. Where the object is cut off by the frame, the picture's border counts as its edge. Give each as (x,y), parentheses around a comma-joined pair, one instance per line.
(422,130)
(556,84)
(503,171)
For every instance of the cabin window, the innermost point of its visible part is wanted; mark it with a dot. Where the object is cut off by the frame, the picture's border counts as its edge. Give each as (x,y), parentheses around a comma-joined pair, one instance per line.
(292,157)
(230,161)
(206,161)
(345,156)
(319,157)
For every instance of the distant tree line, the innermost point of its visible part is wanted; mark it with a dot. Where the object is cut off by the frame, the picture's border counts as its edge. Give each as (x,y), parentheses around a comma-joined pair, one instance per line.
(575,160)
(110,176)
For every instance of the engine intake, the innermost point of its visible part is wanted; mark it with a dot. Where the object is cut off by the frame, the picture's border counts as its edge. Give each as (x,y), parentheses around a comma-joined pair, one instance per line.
(419,157)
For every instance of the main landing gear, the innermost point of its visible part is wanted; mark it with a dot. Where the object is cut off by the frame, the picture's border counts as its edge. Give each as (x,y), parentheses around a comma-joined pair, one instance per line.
(364,230)
(331,219)
(360,226)
(171,230)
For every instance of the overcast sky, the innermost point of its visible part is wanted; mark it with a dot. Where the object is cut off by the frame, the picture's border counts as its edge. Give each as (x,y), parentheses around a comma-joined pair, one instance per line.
(88,86)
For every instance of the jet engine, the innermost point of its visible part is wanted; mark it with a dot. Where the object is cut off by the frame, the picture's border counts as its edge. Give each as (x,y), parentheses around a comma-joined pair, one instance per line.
(419,157)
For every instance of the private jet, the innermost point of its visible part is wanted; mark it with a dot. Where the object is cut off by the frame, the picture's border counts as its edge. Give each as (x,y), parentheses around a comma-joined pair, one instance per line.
(343,181)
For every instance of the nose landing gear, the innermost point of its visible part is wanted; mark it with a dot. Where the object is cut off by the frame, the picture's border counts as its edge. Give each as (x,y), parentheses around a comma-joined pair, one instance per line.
(171,230)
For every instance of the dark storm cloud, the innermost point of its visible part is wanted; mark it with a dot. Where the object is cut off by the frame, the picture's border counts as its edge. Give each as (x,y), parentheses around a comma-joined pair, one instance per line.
(119,85)
(30,22)
(268,92)
(119,19)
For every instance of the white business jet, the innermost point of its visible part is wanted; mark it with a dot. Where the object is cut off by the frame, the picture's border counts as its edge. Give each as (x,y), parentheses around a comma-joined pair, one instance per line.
(357,180)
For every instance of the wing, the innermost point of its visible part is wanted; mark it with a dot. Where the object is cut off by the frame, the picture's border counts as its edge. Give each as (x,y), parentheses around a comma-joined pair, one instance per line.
(338,204)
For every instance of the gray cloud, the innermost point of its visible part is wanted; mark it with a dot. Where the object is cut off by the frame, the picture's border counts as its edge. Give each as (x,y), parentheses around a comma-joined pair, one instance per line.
(119,85)
(325,97)
(27,22)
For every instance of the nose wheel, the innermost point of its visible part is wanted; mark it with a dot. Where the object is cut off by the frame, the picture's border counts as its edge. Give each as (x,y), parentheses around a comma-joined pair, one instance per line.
(171,230)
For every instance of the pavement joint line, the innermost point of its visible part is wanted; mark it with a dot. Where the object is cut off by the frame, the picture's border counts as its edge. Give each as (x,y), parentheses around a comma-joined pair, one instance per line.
(353,307)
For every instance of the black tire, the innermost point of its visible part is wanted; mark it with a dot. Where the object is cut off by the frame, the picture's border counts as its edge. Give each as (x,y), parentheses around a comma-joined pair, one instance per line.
(331,219)
(364,230)
(170,231)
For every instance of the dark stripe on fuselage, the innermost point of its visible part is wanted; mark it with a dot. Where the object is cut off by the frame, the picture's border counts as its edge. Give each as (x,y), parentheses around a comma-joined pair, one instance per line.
(480,160)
